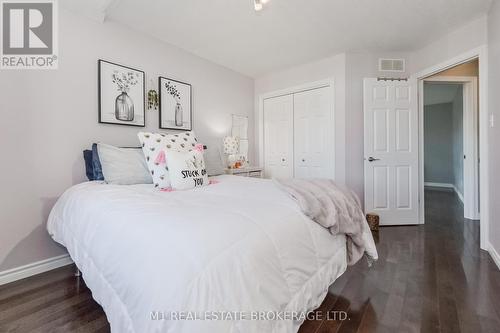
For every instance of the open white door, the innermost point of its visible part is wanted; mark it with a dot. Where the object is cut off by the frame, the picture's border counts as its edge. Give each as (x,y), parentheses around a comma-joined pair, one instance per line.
(391,151)
(471,150)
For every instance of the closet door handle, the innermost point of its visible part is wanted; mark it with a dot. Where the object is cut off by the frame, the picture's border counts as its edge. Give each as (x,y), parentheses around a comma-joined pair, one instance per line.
(283,160)
(303,160)
(372,159)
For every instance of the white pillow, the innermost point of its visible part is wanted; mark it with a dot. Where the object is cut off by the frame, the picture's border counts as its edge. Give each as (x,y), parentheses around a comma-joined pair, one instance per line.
(186,169)
(153,143)
(123,166)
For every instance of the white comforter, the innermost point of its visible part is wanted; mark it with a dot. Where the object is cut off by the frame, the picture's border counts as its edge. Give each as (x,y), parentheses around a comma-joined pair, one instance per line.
(240,247)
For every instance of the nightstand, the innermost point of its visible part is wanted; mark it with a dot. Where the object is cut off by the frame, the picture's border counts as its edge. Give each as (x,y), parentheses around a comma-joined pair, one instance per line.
(255,172)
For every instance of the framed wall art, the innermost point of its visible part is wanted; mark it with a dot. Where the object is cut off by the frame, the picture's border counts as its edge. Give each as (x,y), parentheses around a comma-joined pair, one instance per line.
(121,94)
(175,104)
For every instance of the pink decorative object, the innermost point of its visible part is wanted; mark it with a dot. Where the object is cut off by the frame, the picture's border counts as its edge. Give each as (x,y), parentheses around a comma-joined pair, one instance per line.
(161,159)
(168,189)
(213,182)
(198,147)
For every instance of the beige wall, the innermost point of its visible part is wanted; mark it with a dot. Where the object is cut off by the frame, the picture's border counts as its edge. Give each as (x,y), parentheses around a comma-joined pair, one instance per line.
(49,117)
(470,68)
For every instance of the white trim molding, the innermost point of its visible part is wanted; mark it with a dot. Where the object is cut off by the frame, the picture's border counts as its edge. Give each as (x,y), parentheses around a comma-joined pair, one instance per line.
(494,255)
(480,53)
(460,195)
(470,195)
(35,268)
(448,186)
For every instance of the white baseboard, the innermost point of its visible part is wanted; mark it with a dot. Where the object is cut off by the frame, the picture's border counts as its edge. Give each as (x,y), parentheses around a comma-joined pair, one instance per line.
(494,255)
(445,185)
(35,268)
(460,195)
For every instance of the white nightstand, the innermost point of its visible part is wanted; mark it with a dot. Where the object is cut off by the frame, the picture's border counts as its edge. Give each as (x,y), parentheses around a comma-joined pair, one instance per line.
(255,172)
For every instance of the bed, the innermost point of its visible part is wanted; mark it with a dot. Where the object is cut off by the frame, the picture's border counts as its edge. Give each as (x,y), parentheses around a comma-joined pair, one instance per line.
(237,249)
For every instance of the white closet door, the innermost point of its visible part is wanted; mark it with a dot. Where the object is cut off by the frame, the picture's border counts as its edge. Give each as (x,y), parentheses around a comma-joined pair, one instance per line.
(278,137)
(313,133)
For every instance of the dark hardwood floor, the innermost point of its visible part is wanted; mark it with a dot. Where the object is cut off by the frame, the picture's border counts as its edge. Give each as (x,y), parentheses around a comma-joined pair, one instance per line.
(431,278)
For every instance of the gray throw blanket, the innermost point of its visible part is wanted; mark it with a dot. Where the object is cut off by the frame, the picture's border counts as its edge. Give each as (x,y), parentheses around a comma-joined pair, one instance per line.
(336,208)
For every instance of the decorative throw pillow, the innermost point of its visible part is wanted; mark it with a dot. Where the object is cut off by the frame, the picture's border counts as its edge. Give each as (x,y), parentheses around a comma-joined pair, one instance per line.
(96,164)
(123,166)
(89,168)
(153,143)
(186,169)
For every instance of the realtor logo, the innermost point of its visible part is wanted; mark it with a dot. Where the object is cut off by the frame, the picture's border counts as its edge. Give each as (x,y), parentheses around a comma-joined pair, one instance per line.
(29,34)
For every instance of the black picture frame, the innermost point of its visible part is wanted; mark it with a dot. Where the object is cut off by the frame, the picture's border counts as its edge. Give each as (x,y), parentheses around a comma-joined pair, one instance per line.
(161,105)
(100,108)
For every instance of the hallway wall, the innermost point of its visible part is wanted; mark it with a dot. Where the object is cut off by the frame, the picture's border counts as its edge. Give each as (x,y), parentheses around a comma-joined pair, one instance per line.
(443,135)
(438,143)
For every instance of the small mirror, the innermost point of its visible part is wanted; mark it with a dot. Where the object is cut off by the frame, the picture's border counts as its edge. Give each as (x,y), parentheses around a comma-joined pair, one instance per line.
(239,130)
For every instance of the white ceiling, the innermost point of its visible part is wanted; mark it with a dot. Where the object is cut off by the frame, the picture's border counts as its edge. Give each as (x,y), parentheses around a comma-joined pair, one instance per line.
(287,32)
(440,93)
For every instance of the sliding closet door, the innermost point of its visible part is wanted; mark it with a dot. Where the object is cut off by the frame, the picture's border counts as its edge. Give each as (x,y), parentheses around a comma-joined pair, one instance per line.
(313,133)
(278,137)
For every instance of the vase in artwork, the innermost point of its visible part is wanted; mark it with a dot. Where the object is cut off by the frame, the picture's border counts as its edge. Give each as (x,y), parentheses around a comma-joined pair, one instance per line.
(178,115)
(124,107)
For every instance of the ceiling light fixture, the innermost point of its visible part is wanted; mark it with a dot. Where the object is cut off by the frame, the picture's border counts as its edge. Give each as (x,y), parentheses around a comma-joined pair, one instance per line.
(259,4)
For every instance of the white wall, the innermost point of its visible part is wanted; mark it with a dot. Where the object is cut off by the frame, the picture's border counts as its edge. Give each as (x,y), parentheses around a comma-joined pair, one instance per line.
(358,67)
(494,133)
(49,117)
(458,41)
(332,67)
(362,65)
(348,71)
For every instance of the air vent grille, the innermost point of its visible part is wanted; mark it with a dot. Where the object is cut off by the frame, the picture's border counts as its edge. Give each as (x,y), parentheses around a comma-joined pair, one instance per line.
(391,65)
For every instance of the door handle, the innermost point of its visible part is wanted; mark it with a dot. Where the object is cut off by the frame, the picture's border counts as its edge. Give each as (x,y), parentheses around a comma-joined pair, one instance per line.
(372,159)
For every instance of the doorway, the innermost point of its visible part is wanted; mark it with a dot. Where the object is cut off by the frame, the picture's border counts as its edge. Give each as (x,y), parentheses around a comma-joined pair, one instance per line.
(451,135)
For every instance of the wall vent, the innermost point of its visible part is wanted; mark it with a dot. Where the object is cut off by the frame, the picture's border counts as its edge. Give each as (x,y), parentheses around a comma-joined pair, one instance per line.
(391,65)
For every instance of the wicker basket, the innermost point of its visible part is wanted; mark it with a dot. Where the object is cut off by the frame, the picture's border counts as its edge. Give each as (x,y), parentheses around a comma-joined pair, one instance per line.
(373,221)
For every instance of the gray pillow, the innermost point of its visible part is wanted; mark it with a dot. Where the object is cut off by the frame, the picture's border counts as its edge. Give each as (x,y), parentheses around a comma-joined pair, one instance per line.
(123,166)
